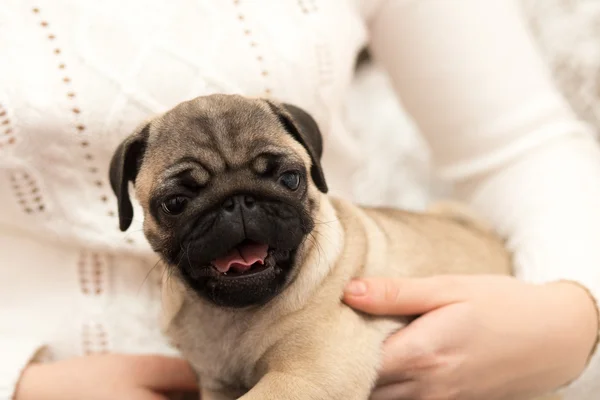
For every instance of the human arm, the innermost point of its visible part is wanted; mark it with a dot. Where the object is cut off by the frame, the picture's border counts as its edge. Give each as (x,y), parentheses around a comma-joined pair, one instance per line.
(470,75)
(103,377)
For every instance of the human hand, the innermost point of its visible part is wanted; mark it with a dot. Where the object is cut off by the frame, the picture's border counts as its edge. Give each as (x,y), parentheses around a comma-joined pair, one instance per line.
(479,337)
(107,377)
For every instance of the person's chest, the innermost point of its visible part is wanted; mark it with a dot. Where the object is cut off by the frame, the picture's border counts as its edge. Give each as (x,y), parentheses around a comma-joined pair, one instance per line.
(74,67)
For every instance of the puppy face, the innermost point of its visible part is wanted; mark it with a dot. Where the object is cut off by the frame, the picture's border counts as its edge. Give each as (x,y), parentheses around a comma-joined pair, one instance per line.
(229,187)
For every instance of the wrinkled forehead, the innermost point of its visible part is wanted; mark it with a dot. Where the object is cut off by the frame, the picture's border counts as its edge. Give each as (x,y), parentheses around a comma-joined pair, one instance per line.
(222,136)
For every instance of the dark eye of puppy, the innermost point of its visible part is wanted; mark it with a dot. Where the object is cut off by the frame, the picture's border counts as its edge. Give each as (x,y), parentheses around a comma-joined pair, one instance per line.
(290,179)
(174,205)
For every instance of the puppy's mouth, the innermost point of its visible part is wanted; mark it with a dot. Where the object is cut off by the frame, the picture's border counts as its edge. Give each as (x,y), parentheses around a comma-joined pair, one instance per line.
(250,273)
(247,258)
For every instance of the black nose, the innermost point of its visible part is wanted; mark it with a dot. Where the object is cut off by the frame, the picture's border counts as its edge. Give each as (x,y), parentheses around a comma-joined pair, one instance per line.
(249,201)
(244,201)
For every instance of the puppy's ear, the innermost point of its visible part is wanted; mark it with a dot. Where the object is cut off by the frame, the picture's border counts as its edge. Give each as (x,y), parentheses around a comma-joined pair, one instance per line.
(305,130)
(124,167)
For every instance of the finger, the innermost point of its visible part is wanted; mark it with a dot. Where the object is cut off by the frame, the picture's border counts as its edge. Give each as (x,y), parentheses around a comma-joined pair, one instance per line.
(395,364)
(403,296)
(397,391)
(415,350)
(166,373)
(405,356)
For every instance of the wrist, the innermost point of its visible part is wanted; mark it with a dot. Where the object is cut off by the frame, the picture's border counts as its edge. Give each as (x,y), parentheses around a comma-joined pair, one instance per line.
(575,303)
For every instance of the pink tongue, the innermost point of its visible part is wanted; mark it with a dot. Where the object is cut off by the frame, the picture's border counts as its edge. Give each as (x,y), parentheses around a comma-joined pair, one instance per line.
(242,258)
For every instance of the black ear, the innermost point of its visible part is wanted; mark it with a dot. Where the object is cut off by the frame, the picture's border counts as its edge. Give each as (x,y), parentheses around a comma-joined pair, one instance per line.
(124,167)
(305,130)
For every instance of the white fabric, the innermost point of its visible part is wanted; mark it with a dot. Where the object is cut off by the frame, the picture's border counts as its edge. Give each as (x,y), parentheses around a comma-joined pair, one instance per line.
(76,77)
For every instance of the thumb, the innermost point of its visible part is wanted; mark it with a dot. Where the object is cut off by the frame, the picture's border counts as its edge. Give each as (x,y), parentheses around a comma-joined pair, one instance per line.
(401,296)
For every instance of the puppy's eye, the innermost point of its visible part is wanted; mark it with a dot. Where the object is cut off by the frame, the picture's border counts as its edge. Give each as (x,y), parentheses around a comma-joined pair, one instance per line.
(290,180)
(174,205)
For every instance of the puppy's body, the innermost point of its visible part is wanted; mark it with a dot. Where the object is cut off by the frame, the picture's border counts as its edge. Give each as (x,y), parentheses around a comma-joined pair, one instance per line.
(234,201)
(306,343)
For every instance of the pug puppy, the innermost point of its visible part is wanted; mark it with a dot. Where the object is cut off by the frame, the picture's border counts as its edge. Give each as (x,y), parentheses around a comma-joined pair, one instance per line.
(257,254)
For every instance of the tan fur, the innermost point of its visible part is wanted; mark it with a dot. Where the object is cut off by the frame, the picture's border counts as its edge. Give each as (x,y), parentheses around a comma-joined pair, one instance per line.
(305,344)
(461,214)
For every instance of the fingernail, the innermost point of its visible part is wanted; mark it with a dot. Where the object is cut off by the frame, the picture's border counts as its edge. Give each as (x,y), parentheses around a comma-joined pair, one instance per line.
(356,288)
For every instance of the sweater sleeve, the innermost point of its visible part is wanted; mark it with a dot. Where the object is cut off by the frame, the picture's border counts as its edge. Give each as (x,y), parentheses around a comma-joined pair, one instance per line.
(470,75)
(16,354)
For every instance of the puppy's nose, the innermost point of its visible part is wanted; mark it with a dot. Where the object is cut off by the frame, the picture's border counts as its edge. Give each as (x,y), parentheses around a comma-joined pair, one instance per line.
(229,204)
(244,201)
(249,201)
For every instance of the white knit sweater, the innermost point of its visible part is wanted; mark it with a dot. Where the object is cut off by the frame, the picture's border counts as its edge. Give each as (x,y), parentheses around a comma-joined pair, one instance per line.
(76,77)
